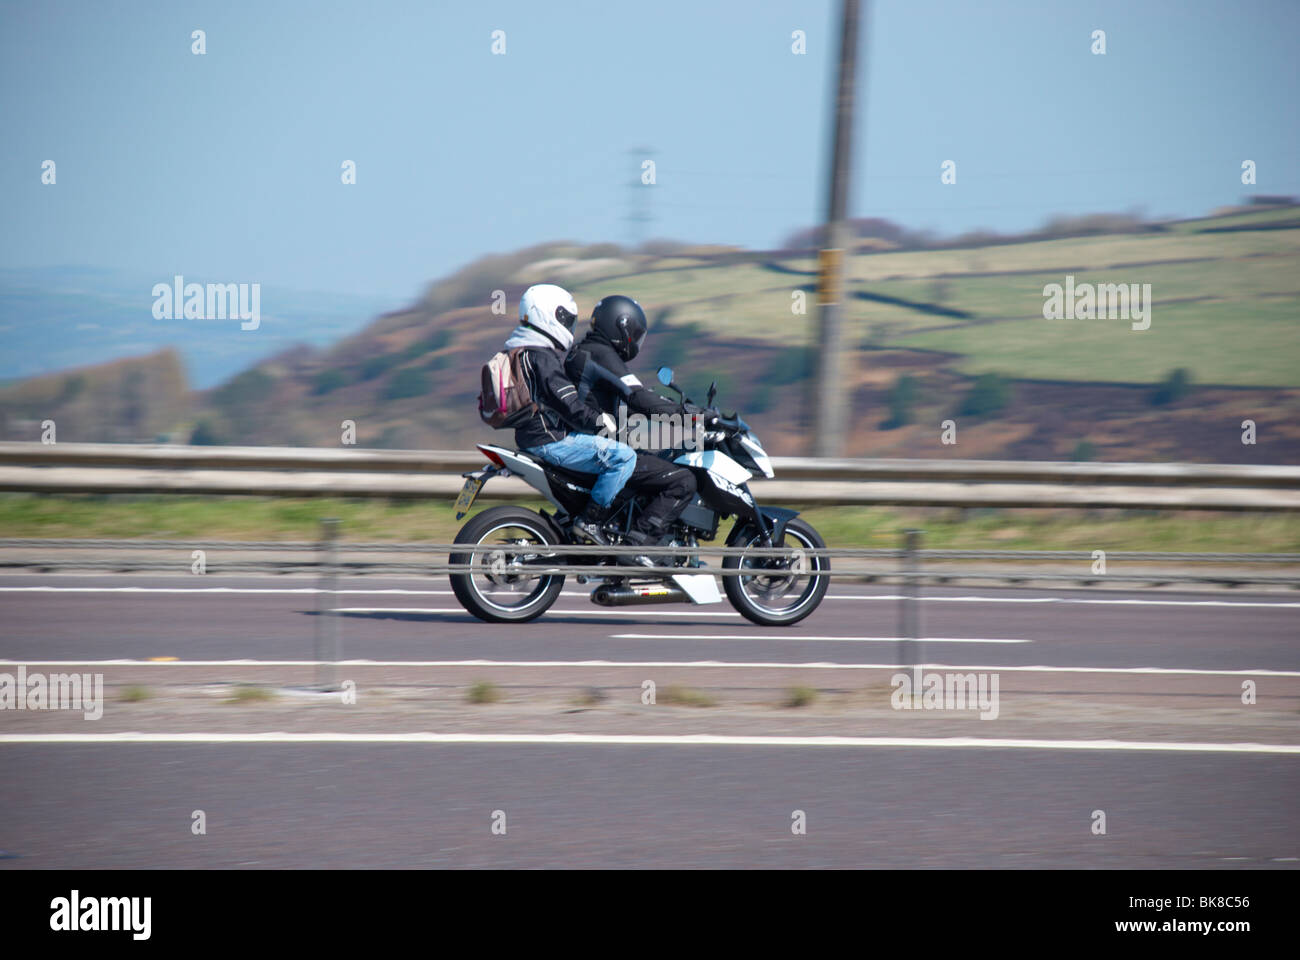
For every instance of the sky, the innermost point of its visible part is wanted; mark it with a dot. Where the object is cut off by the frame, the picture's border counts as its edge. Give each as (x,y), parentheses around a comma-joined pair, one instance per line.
(227,165)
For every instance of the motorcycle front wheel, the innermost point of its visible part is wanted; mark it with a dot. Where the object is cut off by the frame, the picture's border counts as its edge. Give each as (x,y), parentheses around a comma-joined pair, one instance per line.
(773,591)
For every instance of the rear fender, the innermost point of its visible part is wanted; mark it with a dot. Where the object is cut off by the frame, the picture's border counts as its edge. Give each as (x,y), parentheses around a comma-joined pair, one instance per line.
(524,467)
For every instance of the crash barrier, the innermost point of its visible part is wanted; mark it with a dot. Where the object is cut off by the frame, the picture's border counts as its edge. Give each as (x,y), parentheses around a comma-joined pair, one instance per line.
(299,472)
(908,564)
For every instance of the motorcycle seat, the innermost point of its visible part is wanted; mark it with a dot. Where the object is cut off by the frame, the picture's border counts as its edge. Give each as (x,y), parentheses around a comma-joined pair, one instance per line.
(587,480)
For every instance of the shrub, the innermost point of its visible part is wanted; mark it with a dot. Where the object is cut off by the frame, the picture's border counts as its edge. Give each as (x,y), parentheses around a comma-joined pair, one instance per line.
(1174,387)
(902,398)
(205,435)
(328,380)
(435,341)
(800,696)
(1084,451)
(483,692)
(407,383)
(989,394)
(379,365)
(250,693)
(686,697)
(72,387)
(248,389)
(792,366)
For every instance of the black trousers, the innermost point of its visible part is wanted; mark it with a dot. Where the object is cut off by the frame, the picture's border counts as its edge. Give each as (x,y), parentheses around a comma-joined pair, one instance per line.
(669,486)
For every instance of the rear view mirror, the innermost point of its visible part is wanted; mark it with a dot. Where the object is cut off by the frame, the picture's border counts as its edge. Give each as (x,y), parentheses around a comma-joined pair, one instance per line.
(666,376)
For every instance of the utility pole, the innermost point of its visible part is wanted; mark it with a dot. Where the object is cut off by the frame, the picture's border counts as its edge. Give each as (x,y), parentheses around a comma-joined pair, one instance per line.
(829,402)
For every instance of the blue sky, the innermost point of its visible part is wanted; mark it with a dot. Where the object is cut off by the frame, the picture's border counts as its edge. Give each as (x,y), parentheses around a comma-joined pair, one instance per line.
(227,166)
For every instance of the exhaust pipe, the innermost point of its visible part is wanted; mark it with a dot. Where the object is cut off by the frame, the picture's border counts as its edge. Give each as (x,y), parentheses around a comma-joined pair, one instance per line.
(624,596)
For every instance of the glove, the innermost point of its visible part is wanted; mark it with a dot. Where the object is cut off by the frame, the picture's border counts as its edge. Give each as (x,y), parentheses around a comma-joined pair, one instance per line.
(607,425)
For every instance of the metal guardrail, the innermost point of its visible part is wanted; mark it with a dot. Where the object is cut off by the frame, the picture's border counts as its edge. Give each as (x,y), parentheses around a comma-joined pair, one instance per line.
(353,459)
(287,471)
(310,556)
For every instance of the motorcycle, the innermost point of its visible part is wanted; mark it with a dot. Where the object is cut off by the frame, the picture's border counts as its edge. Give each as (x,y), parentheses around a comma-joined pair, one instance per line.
(509,583)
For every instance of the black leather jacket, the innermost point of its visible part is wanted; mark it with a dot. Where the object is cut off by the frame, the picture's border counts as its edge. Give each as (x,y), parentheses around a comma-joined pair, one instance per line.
(605,395)
(560,412)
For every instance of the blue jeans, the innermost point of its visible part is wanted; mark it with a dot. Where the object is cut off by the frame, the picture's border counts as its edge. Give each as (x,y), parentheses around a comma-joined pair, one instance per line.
(588,453)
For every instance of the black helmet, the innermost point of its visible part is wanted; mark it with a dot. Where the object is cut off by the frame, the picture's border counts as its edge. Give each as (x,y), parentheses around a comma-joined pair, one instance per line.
(621,321)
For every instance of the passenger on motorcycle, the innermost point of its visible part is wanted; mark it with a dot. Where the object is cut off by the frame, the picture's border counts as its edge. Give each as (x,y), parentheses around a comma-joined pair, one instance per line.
(563,429)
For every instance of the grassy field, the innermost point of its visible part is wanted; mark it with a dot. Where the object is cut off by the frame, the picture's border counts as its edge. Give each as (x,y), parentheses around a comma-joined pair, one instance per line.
(1230,316)
(1261,351)
(200,519)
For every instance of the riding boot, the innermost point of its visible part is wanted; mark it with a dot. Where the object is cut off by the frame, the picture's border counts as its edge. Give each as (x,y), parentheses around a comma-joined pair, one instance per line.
(638,539)
(589,523)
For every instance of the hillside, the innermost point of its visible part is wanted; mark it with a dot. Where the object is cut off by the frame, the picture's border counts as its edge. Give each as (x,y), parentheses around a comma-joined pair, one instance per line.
(1226,301)
(127,401)
(57,318)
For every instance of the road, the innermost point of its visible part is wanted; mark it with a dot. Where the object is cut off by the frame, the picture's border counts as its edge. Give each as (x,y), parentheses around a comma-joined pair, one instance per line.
(602,801)
(273,618)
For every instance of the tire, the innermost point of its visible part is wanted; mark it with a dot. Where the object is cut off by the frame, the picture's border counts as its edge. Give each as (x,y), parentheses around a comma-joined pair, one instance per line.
(513,526)
(806,600)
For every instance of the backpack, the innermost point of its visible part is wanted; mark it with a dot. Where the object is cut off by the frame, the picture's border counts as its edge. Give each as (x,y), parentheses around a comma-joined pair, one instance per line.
(505,399)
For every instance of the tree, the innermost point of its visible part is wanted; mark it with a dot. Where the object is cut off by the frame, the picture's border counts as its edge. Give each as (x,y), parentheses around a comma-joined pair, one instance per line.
(205,435)
(1173,388)
(902,397)
(407,383)
(989,394)
(327,381)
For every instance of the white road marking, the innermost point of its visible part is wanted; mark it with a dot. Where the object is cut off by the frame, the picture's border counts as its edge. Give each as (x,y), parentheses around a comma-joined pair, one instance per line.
(1127,601)
(568,739)
(599,612)
(641,664)
(802,637)
(1140,602)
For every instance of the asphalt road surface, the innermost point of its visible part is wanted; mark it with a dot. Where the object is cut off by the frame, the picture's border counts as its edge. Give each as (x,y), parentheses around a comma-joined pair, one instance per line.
(274,618)
(340,806)
(675,803)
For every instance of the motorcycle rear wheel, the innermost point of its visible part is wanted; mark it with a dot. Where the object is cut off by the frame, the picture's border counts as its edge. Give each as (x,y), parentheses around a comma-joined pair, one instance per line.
(500,588)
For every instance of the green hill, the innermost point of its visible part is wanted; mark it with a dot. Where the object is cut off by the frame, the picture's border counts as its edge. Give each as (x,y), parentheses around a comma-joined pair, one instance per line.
(1225,309)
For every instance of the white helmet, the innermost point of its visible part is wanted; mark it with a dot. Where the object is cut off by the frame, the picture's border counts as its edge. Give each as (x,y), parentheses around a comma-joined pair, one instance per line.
(550,310)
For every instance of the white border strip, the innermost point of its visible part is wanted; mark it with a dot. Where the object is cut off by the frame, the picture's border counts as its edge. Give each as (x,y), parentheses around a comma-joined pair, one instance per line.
(286,591)
(803,637)
(545,739)
(650,664)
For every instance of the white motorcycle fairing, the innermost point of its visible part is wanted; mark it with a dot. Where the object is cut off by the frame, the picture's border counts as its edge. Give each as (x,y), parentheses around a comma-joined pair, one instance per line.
(700,587)
(717,463)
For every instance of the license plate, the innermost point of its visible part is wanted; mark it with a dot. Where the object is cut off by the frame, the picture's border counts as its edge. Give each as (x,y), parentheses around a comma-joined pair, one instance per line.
(468,493)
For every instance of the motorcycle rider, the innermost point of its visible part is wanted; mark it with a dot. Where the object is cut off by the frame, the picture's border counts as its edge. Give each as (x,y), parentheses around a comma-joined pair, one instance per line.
(563,429)
(618,329)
